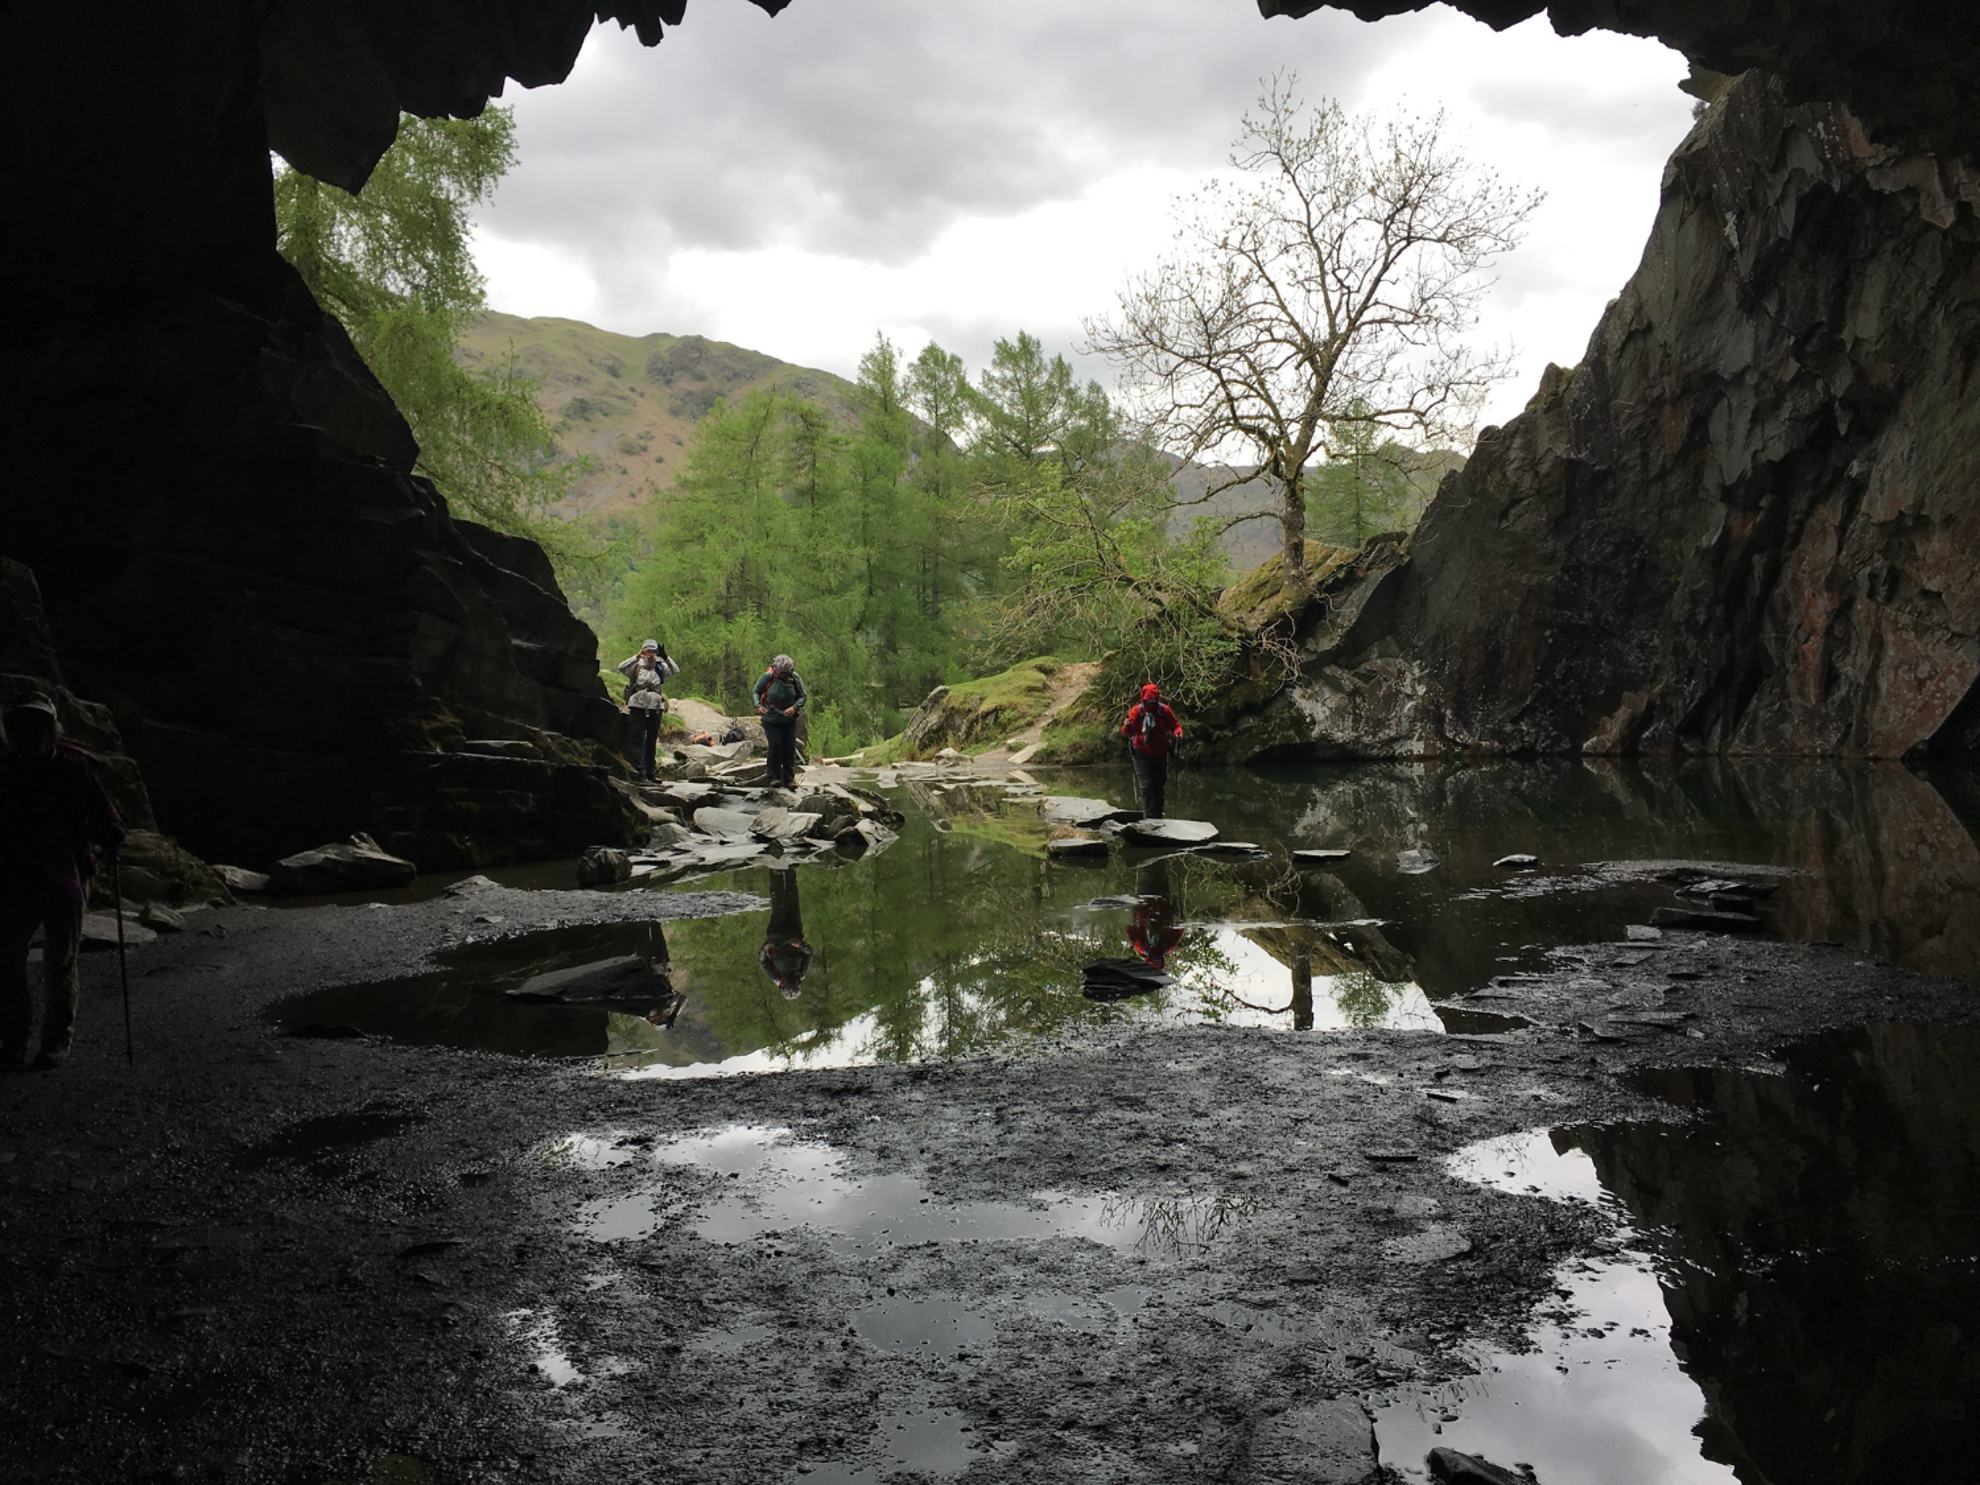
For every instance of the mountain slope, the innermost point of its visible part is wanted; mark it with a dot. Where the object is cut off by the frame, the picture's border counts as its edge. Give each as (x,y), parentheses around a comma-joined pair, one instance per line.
(629,401)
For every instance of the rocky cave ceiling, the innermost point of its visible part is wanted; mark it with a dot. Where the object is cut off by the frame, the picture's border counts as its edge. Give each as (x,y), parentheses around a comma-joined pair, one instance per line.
(337,73)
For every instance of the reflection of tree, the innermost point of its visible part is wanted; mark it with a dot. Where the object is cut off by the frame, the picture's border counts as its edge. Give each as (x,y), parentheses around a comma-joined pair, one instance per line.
(1179,1226)
(1364,1001)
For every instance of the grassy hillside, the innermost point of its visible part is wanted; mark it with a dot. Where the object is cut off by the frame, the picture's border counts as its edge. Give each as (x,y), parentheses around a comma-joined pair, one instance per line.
(629,401)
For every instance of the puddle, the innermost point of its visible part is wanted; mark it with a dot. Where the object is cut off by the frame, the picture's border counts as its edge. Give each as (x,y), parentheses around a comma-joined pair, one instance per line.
(1094,1314)
(772,1185)
(327,1141)
(922,1324)
(1798,1291)
(929,1440)
(525,994)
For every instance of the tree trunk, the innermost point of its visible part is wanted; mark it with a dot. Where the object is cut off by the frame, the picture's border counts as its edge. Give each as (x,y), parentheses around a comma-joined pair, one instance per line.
(1292,520)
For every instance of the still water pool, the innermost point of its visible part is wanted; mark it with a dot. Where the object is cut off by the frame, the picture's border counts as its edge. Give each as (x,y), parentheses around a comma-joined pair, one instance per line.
(962,936)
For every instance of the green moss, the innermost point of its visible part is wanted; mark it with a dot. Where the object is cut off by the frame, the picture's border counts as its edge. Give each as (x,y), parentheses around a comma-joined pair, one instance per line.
(1259,597)
(977,716)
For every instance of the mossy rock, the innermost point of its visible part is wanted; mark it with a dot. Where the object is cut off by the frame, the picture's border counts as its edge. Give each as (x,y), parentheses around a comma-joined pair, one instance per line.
(974,716)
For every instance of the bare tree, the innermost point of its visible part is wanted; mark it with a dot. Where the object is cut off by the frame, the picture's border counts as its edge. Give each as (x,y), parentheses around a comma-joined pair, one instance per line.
(1317,300)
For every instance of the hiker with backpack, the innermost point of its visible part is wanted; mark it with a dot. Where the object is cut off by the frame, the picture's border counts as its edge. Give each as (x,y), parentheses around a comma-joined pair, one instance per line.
(645,674)
(1151,729)
(780,699)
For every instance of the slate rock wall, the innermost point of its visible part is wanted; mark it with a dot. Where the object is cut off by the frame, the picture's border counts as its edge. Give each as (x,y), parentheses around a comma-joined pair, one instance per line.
(1746,523)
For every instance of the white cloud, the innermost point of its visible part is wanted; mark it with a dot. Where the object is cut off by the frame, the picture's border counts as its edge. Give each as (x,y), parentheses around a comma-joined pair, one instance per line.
(963,168)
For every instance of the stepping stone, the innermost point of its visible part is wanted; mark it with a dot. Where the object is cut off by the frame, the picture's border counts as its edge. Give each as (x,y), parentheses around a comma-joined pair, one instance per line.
(1414,863)
(1676,917)
(627,977)
(1117,979)
(1168,832)
(1320,858)
(1076,847)
(1517,862)
(1069,809)
(1231,848)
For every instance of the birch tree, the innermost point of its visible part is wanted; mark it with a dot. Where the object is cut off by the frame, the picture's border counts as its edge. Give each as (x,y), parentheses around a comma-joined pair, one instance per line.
(1318,297)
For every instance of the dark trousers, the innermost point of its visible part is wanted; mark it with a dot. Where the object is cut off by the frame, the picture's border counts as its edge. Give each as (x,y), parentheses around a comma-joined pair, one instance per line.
(646,739)
(62,922)
(780,742)
(1151,778)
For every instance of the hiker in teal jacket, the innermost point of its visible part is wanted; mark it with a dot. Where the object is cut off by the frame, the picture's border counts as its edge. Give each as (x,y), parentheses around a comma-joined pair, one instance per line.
(780,699)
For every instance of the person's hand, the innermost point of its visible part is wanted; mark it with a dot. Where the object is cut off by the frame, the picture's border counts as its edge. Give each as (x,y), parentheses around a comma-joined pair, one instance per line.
(790,711)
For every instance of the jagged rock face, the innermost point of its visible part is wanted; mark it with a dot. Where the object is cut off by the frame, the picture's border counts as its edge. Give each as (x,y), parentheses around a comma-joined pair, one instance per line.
(1910,69)
(214,494)
(1740,525)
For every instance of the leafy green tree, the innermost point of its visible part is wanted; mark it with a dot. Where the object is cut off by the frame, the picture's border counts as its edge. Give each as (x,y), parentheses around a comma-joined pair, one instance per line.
(1029,409)
(1367,487)
(393,264)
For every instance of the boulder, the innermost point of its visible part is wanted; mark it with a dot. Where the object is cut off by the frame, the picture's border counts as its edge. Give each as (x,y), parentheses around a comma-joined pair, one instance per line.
(629,977)
(866,838)
(667,835)
(161,919)
(356,867)
(1416,861)
(779,824)
(1075,847)
(468,886)
(240,879)
(1069,809)
(725,824)
(602,866)
(1168,832)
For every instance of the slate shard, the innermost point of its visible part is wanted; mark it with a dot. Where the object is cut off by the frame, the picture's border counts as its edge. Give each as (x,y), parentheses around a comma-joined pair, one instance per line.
(1108,980)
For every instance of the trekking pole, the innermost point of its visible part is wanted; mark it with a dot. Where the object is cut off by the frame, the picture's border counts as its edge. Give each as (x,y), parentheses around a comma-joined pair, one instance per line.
(123,966)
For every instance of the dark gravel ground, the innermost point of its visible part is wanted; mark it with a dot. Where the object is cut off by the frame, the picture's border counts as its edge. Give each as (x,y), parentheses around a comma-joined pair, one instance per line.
(257,1257)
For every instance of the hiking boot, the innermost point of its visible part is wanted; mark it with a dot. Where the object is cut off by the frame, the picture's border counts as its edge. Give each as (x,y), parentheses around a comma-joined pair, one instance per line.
(51,1058)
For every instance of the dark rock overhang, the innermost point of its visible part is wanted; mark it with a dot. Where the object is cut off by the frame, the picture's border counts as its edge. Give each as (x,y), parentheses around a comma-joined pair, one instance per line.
(336,74)
(1906,68)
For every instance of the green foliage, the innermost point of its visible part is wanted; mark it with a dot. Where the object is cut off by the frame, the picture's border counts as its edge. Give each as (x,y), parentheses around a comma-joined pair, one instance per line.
(393,264)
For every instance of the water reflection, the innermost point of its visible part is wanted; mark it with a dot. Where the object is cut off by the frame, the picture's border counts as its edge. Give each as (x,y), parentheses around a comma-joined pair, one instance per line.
(963,936)
(785,956)
(1806,1302)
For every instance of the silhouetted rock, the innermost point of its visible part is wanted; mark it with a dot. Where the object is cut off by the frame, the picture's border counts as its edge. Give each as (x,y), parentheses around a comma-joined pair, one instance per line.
(346,868)
(601,866)
(1449,1467)
(1117,979)
(627,977)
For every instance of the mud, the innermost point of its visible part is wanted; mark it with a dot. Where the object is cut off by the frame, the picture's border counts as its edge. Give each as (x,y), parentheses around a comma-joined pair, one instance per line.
(1136,1252)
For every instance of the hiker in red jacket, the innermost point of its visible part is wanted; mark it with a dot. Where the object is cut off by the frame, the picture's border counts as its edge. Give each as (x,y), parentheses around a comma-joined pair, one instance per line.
(1151,729)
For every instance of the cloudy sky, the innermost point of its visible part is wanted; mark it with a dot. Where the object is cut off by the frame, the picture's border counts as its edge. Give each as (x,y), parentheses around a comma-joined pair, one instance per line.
(957,169)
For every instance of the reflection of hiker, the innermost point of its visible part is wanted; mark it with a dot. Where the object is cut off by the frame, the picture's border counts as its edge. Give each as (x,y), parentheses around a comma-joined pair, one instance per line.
(1151,729)
(645,674)
(1153,933)
(54,819)
(785,955)
(780,698)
